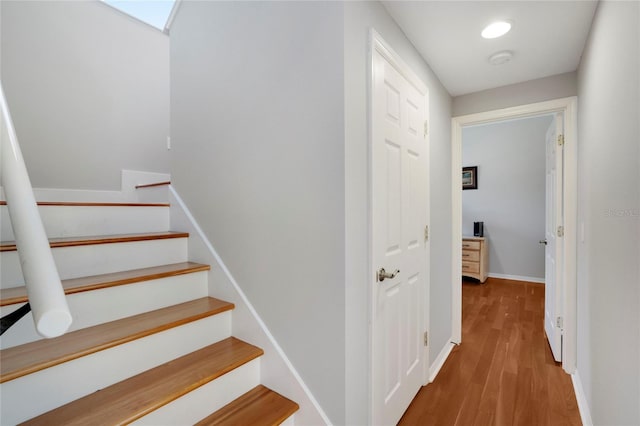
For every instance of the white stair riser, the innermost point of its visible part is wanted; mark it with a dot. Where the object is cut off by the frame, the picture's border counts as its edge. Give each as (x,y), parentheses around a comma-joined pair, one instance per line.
(201,402)
(37,393)
(73,221)
(95,307)
(80,261)
(158,194)
(289,421)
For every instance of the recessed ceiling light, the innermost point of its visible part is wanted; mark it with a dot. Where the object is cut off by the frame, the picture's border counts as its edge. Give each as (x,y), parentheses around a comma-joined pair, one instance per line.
(501,57)
(496,29)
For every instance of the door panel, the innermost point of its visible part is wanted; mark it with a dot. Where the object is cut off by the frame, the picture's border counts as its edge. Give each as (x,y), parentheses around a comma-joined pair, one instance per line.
(393,198)
(392,339)
(553,249)
(399,215)
(414,346)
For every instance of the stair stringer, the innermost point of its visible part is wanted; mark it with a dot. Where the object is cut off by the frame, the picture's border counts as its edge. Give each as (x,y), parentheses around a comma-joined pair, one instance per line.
(277,371)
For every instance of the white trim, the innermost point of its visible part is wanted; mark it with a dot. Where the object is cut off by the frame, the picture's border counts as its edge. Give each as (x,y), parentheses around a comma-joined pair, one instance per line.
(517,277)
(247,303)
(427,285)
(570,248)
(440,360)
(369,231)
(134,18)
(456,233)
(521,111)
(581,398)
(382,47)
(567,106)
(172,16)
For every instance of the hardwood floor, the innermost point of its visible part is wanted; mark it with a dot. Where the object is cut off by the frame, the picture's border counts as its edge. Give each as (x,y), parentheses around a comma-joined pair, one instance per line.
(503,372)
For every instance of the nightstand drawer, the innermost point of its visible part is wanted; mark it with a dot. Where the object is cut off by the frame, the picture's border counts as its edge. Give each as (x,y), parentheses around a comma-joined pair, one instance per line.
(470,267)
(471,245)
(470,255)
(475,258)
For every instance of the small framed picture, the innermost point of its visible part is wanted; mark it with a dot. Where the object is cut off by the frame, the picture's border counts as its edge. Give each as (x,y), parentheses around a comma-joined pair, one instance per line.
(470,177)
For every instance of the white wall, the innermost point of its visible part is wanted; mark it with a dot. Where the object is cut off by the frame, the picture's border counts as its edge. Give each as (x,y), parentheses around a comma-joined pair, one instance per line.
(359,18)
(608,359)
(85,102)
(257,123)
(510,198)
(269,133)
(528,92)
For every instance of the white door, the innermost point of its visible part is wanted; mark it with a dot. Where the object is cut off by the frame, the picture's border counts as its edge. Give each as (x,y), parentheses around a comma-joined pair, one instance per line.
(553,230)
(399,200)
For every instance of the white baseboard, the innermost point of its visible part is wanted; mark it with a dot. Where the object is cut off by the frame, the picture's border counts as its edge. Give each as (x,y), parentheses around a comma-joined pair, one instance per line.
(434,369)
(516,277)
(583,405)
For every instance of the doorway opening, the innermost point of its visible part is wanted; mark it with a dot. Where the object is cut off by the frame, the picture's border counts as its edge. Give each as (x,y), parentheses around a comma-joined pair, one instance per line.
(565,109)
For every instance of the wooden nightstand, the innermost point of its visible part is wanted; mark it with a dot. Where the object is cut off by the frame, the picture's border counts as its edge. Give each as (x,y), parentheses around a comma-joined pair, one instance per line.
(475,258)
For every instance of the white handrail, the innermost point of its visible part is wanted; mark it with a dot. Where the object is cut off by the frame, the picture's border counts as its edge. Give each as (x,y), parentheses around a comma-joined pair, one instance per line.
(48,304)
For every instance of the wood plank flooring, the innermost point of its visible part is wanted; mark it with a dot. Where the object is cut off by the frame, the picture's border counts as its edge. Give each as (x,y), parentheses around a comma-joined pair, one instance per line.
(503,373)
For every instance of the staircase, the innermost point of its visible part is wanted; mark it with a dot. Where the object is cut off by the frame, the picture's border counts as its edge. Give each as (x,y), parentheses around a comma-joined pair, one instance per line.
(148,344)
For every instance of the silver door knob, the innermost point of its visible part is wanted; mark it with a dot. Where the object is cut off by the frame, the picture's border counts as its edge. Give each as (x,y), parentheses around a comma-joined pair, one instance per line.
(543,242)
(382,274)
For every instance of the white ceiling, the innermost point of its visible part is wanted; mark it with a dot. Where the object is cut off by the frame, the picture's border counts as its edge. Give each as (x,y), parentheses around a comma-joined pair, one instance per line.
(546,37)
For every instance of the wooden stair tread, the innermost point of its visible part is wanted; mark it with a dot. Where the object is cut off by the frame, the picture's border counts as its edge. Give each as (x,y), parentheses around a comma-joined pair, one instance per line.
(259,407)
(151,185)
(94,204)
(139,395)
(101,239)
(9,296)
(35,356)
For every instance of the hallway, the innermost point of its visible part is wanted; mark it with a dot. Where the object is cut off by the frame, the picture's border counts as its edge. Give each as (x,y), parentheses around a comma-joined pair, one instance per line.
(503,372)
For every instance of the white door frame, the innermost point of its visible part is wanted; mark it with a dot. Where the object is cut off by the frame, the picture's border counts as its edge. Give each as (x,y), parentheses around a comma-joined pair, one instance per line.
(377,43)
(567,106)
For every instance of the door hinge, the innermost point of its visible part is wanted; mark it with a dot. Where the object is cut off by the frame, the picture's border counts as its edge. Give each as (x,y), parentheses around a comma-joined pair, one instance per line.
(426,127)
(560,231)
(426,338)
(426,233)
(559,322)
(560,140)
